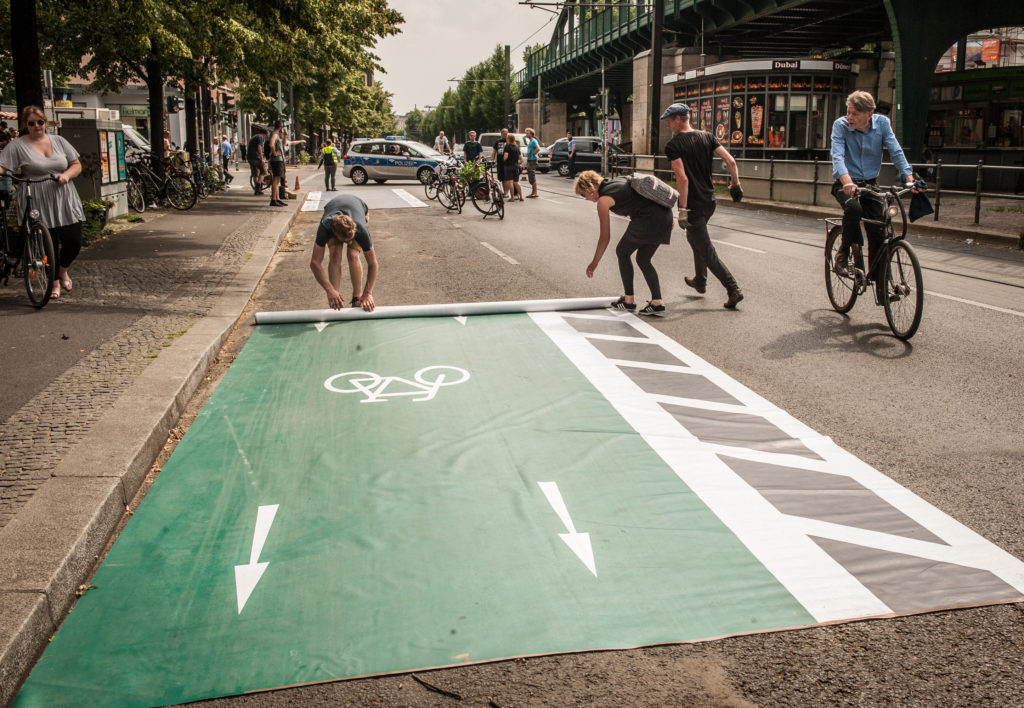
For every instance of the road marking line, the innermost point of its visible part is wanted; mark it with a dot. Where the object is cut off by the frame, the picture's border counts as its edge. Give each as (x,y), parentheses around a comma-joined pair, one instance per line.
(553,201)
(1017,313)
(507,257)
(734,245)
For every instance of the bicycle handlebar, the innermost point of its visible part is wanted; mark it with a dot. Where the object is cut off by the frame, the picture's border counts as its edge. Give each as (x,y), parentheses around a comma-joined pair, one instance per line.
(22,180)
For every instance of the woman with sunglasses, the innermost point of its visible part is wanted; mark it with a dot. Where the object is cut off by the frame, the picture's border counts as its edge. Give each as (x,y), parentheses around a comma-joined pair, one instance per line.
(37,154)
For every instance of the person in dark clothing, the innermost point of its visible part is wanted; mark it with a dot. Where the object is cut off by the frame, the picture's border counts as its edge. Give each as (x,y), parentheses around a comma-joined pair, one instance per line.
(691,153)
(471,150)
(345,224)
(257,161)
(650,226)
(511,166)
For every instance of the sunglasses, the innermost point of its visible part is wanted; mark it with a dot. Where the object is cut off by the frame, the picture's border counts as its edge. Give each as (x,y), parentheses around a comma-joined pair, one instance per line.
(32,123)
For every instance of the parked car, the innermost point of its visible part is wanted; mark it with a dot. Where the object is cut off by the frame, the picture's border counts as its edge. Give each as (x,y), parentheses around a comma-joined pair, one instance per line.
(487,140)
(544,156)
(588,155)
(389,158)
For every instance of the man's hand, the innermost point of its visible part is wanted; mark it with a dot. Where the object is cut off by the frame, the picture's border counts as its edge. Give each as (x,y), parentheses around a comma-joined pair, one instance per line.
(735,191)
(591,268)
(366,302)
(850,189)
(684,218)
(335,300)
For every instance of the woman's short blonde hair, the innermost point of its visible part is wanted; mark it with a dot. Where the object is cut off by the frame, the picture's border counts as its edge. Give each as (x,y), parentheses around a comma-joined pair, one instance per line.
(587,182)
(343,227)
(862,101)
(29,111)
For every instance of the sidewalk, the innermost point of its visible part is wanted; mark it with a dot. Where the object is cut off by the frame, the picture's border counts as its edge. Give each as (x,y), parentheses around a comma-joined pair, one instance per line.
(163,295)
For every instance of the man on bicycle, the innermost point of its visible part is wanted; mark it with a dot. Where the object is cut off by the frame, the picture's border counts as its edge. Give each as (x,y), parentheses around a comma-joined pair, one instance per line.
(857,142)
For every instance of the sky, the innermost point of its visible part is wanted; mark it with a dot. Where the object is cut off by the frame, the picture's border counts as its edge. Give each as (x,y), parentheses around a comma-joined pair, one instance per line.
(441,39)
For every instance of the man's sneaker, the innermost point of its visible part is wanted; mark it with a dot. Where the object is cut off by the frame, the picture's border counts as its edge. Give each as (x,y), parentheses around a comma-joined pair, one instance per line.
(842,258)
(699,287)
(653,310)
(621,304)
(734,298)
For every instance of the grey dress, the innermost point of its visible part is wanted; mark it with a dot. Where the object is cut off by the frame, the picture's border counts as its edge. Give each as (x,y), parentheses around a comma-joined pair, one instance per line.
(58,204)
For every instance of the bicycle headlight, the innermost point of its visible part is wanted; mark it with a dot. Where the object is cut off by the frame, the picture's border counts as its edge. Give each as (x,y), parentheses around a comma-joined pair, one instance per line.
(893,211)
(34,215)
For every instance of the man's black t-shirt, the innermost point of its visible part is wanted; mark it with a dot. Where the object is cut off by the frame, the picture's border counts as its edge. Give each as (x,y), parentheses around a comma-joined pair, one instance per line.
(696,148)
(352,206)
(255,148)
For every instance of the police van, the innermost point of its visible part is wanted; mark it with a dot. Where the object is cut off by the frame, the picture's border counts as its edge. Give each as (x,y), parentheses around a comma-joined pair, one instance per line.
(392,157)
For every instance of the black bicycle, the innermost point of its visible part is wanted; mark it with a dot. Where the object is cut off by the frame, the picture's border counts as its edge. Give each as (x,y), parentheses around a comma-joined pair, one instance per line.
(903,293)
(486,193)
(32,257)
(158,183)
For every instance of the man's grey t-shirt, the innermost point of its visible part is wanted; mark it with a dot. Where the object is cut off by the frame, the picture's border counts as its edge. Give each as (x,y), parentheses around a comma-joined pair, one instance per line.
(356,209)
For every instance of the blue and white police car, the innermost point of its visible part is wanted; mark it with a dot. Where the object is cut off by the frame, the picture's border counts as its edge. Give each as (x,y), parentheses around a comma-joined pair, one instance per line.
(392,157)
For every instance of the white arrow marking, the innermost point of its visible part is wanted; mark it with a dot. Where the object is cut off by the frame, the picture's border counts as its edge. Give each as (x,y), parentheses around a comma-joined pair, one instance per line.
(578,543)
(461,319)
(320,326)
(247,576)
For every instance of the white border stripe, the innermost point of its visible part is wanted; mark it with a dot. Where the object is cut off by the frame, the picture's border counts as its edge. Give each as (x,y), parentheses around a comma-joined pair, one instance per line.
(781,542)
(1016,313)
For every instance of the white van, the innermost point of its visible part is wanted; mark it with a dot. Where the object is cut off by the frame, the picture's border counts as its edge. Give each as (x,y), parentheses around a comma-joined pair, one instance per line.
(487,140)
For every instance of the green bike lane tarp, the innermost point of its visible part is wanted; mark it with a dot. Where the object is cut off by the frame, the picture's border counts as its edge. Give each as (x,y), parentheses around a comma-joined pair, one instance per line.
(380,496)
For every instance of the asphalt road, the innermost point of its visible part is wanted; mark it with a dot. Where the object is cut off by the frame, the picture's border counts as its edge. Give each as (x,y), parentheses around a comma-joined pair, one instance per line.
(941,415)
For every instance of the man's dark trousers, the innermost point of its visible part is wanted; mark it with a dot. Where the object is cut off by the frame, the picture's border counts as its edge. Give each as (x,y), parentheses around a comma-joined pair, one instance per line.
(705,257)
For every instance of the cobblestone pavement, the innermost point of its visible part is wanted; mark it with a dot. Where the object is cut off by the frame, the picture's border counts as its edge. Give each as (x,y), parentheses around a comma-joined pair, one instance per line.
(173,292)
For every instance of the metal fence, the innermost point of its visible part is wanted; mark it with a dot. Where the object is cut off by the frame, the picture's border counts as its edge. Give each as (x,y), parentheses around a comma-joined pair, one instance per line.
(810,181)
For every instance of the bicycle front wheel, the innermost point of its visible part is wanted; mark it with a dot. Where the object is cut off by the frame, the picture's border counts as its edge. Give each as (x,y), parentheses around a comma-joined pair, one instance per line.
(904,301)
(40,265)
(446,196)
(136,200)
(181,193)
(842,289)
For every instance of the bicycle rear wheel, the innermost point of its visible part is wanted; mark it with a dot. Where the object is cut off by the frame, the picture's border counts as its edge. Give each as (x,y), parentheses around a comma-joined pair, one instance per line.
(480,195)
(842,289)
(446,196)
(136,200)
(431,185)
(181,193)
(904,301)
(40,265)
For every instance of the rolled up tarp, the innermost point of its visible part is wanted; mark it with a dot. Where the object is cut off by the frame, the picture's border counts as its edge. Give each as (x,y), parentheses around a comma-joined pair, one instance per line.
(457,309)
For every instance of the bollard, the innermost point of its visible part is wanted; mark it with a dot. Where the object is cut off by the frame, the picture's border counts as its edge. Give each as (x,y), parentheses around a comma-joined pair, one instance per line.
(771,178)
(938,187)
(977,193)
(814,185)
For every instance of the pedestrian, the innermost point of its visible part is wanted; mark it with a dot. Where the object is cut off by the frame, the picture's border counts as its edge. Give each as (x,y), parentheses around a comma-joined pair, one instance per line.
(279,142)
(329,159)
(511,168)
(441,144)
(572,155)
(38,154)
(690,153)
(168,147)
(257,160)
(234,151)
(650,226)
(532,148)
(498,146)
(472,149)
(344,224)
(226,151)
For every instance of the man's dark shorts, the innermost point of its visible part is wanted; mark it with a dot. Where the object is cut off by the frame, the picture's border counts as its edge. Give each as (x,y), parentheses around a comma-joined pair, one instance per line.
(277,168)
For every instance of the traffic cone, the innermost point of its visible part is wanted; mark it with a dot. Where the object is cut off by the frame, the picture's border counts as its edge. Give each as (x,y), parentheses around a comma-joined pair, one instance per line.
(296,184)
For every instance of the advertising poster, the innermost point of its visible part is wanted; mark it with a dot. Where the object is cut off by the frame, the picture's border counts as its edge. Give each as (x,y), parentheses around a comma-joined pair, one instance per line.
(122,169)
(705,114)
(111,156)
(104,158)
(755,120)
(736,121)
(722,119)
(990,51)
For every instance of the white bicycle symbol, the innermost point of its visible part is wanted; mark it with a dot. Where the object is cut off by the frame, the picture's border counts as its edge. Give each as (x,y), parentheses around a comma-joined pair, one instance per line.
(375,387)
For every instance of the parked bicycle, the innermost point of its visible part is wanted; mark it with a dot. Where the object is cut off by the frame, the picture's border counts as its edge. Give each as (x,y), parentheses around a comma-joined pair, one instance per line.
(903,294)
(160,183)
(31,256)
(486,193)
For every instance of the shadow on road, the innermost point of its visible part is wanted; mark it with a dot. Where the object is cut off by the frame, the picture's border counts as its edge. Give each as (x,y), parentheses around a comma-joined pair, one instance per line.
(827,330)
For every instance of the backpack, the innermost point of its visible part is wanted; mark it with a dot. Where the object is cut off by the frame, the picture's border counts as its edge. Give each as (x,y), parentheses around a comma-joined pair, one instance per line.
(653,189)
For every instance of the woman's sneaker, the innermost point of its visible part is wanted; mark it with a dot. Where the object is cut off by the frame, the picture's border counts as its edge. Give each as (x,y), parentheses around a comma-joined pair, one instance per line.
(621,304)
(653,310)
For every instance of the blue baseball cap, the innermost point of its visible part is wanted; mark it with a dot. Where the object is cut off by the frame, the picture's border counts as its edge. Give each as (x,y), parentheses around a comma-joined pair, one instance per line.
(676,109)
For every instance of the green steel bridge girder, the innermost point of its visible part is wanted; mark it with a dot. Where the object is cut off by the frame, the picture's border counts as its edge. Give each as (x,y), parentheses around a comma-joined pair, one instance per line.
(921,34)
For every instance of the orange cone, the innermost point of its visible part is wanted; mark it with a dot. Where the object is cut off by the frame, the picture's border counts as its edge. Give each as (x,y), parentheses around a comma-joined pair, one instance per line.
(296,184)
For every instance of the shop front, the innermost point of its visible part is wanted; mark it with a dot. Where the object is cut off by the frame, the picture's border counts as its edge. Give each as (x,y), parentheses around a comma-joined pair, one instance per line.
(781,108)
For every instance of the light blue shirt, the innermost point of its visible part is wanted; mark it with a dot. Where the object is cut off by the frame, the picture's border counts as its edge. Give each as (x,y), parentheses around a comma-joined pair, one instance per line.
(531,149)
(860,154)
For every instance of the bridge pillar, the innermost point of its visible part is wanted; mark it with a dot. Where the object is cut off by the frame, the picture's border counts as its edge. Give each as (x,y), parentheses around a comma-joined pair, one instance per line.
(921,34)
(549,131)
(674,61)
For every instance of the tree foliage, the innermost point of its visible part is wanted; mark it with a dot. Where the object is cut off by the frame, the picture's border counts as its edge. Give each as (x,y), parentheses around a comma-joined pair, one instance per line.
(478,103)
